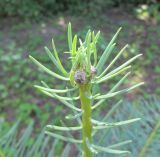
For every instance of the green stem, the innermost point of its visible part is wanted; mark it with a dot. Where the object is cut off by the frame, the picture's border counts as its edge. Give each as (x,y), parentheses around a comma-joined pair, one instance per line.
(85,93)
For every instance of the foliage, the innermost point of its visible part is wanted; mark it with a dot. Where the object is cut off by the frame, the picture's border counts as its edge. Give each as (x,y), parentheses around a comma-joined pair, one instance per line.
(149,12)
(15,144)
(32,8)
(86,73)
(23,8)
(145,134)
(154,12)
(16,100)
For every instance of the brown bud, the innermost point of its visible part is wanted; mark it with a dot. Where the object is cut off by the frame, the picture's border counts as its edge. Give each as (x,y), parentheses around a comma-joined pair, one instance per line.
(80,77)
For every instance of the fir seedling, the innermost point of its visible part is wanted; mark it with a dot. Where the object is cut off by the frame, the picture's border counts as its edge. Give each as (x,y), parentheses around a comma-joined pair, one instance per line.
(86,72)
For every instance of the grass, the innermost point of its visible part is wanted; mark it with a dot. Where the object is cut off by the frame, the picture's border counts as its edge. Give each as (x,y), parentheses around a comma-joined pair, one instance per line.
(18,98)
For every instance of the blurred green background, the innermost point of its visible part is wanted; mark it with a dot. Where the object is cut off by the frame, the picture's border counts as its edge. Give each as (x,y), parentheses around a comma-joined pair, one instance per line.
(26,26)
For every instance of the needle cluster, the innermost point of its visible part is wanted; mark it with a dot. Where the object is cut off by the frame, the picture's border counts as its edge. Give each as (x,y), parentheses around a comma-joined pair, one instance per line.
(87,71)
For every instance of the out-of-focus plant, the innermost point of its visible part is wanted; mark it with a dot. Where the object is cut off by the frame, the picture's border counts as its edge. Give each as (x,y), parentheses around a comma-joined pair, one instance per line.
(21,142)
(150,12)
(34,9)
(144,134)
(154,11)
(85,74)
